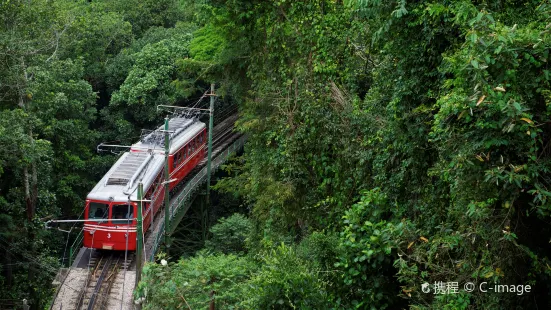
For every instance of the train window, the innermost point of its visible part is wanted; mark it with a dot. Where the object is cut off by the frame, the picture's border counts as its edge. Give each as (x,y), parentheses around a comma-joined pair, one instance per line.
(156,182)
(98,210)
(122,214)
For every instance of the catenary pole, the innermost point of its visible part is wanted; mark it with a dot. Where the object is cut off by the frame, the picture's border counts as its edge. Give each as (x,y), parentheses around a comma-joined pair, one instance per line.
(209,156)
(139,245)
(167,185)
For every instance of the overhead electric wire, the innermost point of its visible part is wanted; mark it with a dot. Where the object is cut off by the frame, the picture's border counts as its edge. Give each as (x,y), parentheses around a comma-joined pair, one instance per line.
(26,255)
(202,97)
(48,268)
(68,235)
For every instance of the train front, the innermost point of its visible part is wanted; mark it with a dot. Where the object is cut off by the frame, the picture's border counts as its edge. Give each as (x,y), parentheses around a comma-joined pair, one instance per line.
(110,225)
(110,208)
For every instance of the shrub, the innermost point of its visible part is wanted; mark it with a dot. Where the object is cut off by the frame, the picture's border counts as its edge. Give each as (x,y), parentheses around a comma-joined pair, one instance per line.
(286,281)
(190,283)
(230,234)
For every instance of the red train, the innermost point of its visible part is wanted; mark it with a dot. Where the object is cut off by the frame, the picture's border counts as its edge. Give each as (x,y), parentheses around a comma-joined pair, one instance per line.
(110,210)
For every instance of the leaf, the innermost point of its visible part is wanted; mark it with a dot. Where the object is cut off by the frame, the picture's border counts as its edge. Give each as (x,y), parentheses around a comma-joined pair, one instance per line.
(474,63)
(480,100)
(529,121)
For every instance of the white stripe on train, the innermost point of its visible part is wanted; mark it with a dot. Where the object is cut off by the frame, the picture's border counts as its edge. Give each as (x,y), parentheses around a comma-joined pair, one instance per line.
(88,227)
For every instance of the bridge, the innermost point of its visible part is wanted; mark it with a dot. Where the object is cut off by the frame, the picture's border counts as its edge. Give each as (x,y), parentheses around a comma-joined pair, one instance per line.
(96,280)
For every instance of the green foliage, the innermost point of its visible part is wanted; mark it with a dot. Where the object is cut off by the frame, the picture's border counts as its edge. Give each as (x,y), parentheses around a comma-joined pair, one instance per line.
(299,113)
(207,44)
(95,34)
(189,283)
(441,106)
(322,250)
(64,103)
(148,82)
(148,73)
(368,244)
(144,14)
(285,281)
(229,235)
(122,63)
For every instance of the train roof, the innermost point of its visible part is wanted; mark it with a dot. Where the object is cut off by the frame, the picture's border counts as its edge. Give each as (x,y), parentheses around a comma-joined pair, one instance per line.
(114,186)
(181,131)
(143,162)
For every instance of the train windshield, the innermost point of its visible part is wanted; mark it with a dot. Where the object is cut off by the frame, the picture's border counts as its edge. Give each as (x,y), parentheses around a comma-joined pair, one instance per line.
(122,214)
(98,211)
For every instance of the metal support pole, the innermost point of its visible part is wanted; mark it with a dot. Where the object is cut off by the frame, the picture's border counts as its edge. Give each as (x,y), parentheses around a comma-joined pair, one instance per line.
(209,161)
(139,235)
(70,257)
(204,217)
(167,186)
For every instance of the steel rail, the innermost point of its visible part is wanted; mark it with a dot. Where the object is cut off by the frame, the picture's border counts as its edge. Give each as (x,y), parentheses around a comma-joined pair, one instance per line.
(99,282)
(110,280)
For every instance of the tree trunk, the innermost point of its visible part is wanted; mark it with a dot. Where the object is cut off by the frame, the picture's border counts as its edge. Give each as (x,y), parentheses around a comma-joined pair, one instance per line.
(30,186)
(27,190)
(34,186)
(31,194)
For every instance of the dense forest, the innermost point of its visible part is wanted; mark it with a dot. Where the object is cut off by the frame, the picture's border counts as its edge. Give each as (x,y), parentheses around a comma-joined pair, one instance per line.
(390,144)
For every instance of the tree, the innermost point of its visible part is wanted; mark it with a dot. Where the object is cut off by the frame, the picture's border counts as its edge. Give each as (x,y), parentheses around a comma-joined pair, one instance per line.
(229,235)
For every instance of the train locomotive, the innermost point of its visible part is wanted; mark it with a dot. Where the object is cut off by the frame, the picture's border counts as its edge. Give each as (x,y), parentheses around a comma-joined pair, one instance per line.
(111,206)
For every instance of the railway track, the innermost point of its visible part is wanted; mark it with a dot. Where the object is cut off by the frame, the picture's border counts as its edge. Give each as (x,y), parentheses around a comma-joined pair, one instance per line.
(103,287)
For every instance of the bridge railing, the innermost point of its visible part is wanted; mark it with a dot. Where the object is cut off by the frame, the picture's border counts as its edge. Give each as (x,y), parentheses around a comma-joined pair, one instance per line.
(192,185)
(75,247)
